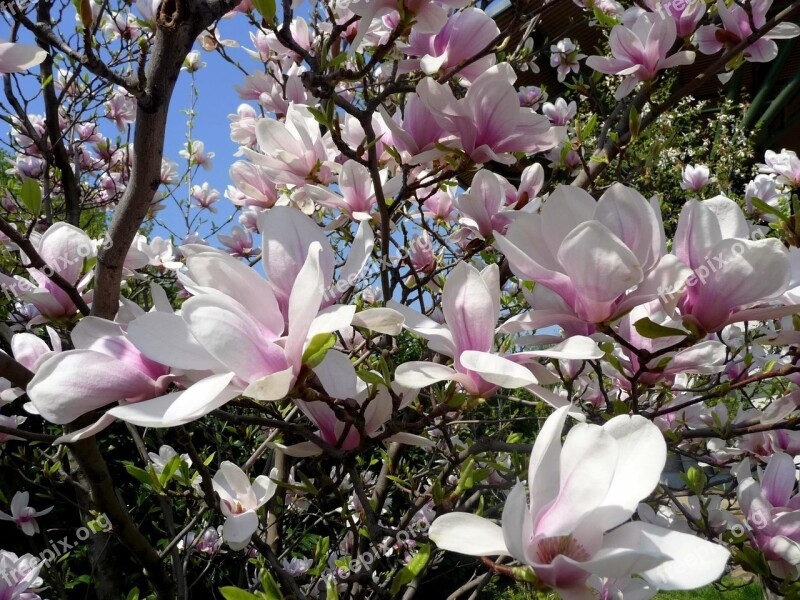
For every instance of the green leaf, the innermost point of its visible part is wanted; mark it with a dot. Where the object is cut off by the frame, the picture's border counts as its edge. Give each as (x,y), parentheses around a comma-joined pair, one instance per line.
(765,208)
(169,470)
(234,593)
(31,196)
(331,593)
(412,569)
(140,474)
(651,330)
(271,589)
(634,122)
(371,377)
(317,349)
(266,8)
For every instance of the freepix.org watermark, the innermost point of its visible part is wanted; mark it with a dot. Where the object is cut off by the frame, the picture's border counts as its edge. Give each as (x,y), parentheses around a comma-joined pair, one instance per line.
(711,265)
(101,524)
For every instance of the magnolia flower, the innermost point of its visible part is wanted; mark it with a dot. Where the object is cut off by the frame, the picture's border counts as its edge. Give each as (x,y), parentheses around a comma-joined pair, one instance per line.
(121,109)
(23,515)
(243,125)
(785,165)
(576,521)
(415,130)
(531,96)
(488,123)
(357,192)
(252,186)
(65,249)
(641,51)
(293,149)
(193,62)
(565,57)
(601,258)
(738,25)
(19,57)
(560,113)
(732,275)
(239,501)
(696,177)
(297,567)
(686,13)
(766,189)
(471,307)
(194,152)
(484,206)
(239,243)
(772,508)
(205,197)
(19,575)
(466,34)
(105,367)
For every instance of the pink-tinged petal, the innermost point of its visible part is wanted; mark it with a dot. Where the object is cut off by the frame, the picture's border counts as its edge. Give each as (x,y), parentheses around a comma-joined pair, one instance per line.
(611,66)
(763,50)
(707,357)
(264,487)
(706,39)
(230,334)
(381,319)
(304,303)
(233,278)
(641,458)
(543,468)
(496,369)
(693,563)
(697,233)
(779,478)
(165,338)
(64,247)
(239,529)
(517,522)
(355,183)
(685,57)
(16,57)
(288,235)
(565,209)
(601,267)
(730,217)
(469,310)
(70,384)
(418,374)
(468,534)
(439,338)
(27,349)
(627,214)
(337,375)
(86,432)
(784,31)
(271,387)
(231,483)
(529,257)
(360,251)
(755,270)
(179,408)
(617,562)
(669,274)
(332,319)
(785,548)
(586,471)
(577,347)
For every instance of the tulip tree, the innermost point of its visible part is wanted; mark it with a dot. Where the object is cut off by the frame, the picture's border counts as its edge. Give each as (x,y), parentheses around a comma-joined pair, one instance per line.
(444,327)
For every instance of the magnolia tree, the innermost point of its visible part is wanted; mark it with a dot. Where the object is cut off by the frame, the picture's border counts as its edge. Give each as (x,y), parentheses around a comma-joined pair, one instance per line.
(444,335)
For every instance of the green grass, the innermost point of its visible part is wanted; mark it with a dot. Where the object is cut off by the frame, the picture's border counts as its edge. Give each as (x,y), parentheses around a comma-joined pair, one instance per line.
(501,589)
(750,592)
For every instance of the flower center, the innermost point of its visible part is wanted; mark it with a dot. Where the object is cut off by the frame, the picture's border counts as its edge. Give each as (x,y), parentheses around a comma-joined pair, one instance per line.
(551,547)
